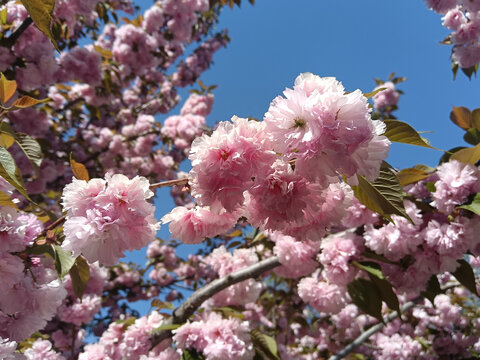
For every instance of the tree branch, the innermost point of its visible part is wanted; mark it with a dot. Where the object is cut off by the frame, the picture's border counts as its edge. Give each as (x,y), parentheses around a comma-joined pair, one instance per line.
(184,311)
(182,181)
(10,41)
(390,317)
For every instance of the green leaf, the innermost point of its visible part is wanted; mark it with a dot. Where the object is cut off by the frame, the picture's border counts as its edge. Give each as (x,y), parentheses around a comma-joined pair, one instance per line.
(431,187)
(30,147)
(467,155)
(41,13)
(373,93)
(433,289)
(44,249)
(63,261)
(167,327)
(10,172)
(80,274)
(367,297)
(462,117)
(7,88)
(401,132)
(266,344)
(472,136)
(6,140)
(386,292)
(446,156)
(474,205)
(465,275)
(384,195)
(371,255)
(476,119)
(190,354)
(370,267)
(229,312)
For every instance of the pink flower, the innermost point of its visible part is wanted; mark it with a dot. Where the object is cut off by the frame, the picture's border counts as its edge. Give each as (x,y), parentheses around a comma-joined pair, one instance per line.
(106,218)
(453,19)
(198,105)
(456,181)
(387,97)
(297,257)
(224,163)
(466,56)
(42,350)
(441,6)
(17,230)
(321,295)
(216,338)
(192,226)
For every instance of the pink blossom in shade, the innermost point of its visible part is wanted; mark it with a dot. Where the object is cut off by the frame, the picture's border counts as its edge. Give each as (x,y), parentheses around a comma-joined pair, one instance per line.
(63,340)
(198,105)
(398,238)
(216,338)
(456,181)
(453,19)
(454,345)
(80,311)
(192,226)
(387,97)
(165,253)
(396,347)
(277,198)
(419,190)
(11,271)
(42,350)
(472,6)
(337,254)
(441,6)
(106,218)
(81,63)
(6,58)
(468,31)
(297,257)
(322,295)
(224,163)
(225,263)
(6,187)
(466,55)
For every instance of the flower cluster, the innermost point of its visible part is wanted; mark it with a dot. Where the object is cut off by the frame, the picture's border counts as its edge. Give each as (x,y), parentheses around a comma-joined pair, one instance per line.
(107,217)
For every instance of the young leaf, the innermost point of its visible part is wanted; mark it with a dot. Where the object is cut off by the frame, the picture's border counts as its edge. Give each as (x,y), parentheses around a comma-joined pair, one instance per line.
(229,312)
(167,327)
(373,93)
(465,275)
(6,201)
(384,195)
(6,140)
(472,136)
(411,176)
(7,88)
(159,304)
(367,297)
(399,131)
(467,155)
(80,274)
(474,206)
(63,261)
(27,101)
(461,117)
(370,267)
(265,343)
(41,13)
(447,154)
(191,354)
(79,170)
(476,119)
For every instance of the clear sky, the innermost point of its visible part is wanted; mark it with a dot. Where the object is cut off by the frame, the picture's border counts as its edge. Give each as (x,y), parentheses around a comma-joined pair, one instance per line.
(354,41)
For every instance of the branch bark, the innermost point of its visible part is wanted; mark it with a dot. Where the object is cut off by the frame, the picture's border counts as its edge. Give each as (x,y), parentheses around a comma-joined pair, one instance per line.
(10,41)
(184,311)
(376,328)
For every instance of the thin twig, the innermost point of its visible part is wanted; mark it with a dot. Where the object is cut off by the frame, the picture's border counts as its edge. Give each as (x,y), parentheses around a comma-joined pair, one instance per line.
(10,41)
(169,183)
(53,225)
(372,330)
(184,311)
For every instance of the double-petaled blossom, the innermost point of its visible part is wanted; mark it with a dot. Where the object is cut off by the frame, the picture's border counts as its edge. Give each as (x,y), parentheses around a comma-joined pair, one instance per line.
(107,217)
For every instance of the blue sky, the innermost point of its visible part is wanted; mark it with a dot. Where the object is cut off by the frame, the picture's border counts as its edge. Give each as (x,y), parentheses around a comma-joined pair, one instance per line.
(354,41)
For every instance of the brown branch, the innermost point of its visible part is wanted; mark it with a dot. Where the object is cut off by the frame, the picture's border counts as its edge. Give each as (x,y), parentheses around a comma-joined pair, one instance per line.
(184,311)
(53,225)
(10,41)
(169,183)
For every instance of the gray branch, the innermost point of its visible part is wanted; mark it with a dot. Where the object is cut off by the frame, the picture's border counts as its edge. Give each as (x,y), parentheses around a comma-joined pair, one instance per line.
(181,314)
